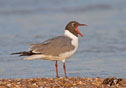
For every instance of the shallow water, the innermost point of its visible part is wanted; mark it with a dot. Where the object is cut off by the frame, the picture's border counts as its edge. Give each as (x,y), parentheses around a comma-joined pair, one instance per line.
(102,52)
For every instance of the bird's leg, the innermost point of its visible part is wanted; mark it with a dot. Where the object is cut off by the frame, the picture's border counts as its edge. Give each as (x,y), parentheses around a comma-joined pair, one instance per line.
(64,69)
(56,65)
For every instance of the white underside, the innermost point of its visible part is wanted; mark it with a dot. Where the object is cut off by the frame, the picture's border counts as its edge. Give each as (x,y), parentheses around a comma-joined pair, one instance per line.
(62,56)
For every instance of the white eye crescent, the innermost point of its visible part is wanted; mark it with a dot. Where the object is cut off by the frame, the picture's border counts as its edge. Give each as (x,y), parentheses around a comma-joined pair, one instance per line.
(73,24)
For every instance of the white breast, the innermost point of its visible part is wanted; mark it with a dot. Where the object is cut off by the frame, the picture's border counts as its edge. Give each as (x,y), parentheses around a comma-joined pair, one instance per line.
(73,37)
(73,42)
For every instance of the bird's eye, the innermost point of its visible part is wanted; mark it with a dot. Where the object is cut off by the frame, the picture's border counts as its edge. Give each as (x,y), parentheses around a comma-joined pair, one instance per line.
(73,24)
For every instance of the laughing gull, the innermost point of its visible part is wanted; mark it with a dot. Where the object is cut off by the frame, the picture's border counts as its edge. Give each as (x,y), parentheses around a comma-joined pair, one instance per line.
(58,48)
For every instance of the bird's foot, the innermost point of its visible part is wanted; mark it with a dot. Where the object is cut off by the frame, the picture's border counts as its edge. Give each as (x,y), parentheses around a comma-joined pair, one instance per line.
(57,77)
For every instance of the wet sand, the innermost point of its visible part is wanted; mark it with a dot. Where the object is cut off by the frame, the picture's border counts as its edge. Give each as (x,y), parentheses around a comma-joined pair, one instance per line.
(70,82)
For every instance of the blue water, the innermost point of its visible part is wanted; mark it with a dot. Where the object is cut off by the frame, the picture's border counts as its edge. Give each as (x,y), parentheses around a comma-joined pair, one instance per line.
(101,53)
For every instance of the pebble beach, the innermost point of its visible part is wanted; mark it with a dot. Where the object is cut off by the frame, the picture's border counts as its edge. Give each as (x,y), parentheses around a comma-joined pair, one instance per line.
(61,82)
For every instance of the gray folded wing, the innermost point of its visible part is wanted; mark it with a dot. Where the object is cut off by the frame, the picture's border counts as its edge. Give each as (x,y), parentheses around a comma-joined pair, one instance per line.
(54,46)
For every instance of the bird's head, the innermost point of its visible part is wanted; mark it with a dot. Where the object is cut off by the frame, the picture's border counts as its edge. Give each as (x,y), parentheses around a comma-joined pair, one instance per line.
(72,27)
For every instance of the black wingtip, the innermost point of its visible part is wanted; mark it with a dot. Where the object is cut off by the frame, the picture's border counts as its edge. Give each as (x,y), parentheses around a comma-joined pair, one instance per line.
(15,53)
(24,53)
(12,54)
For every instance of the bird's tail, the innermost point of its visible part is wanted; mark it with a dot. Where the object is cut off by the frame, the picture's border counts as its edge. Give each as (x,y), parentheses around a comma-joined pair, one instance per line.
(23,53)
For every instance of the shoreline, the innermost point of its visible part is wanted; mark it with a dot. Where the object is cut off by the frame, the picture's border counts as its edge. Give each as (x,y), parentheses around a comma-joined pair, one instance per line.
(111,82)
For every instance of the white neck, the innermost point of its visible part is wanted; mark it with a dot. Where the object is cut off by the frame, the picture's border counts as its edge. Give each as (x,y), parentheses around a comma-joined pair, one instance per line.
(69,34)
(73,37)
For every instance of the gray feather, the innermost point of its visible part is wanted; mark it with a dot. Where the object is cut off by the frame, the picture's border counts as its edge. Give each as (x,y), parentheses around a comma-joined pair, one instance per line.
(53,46)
